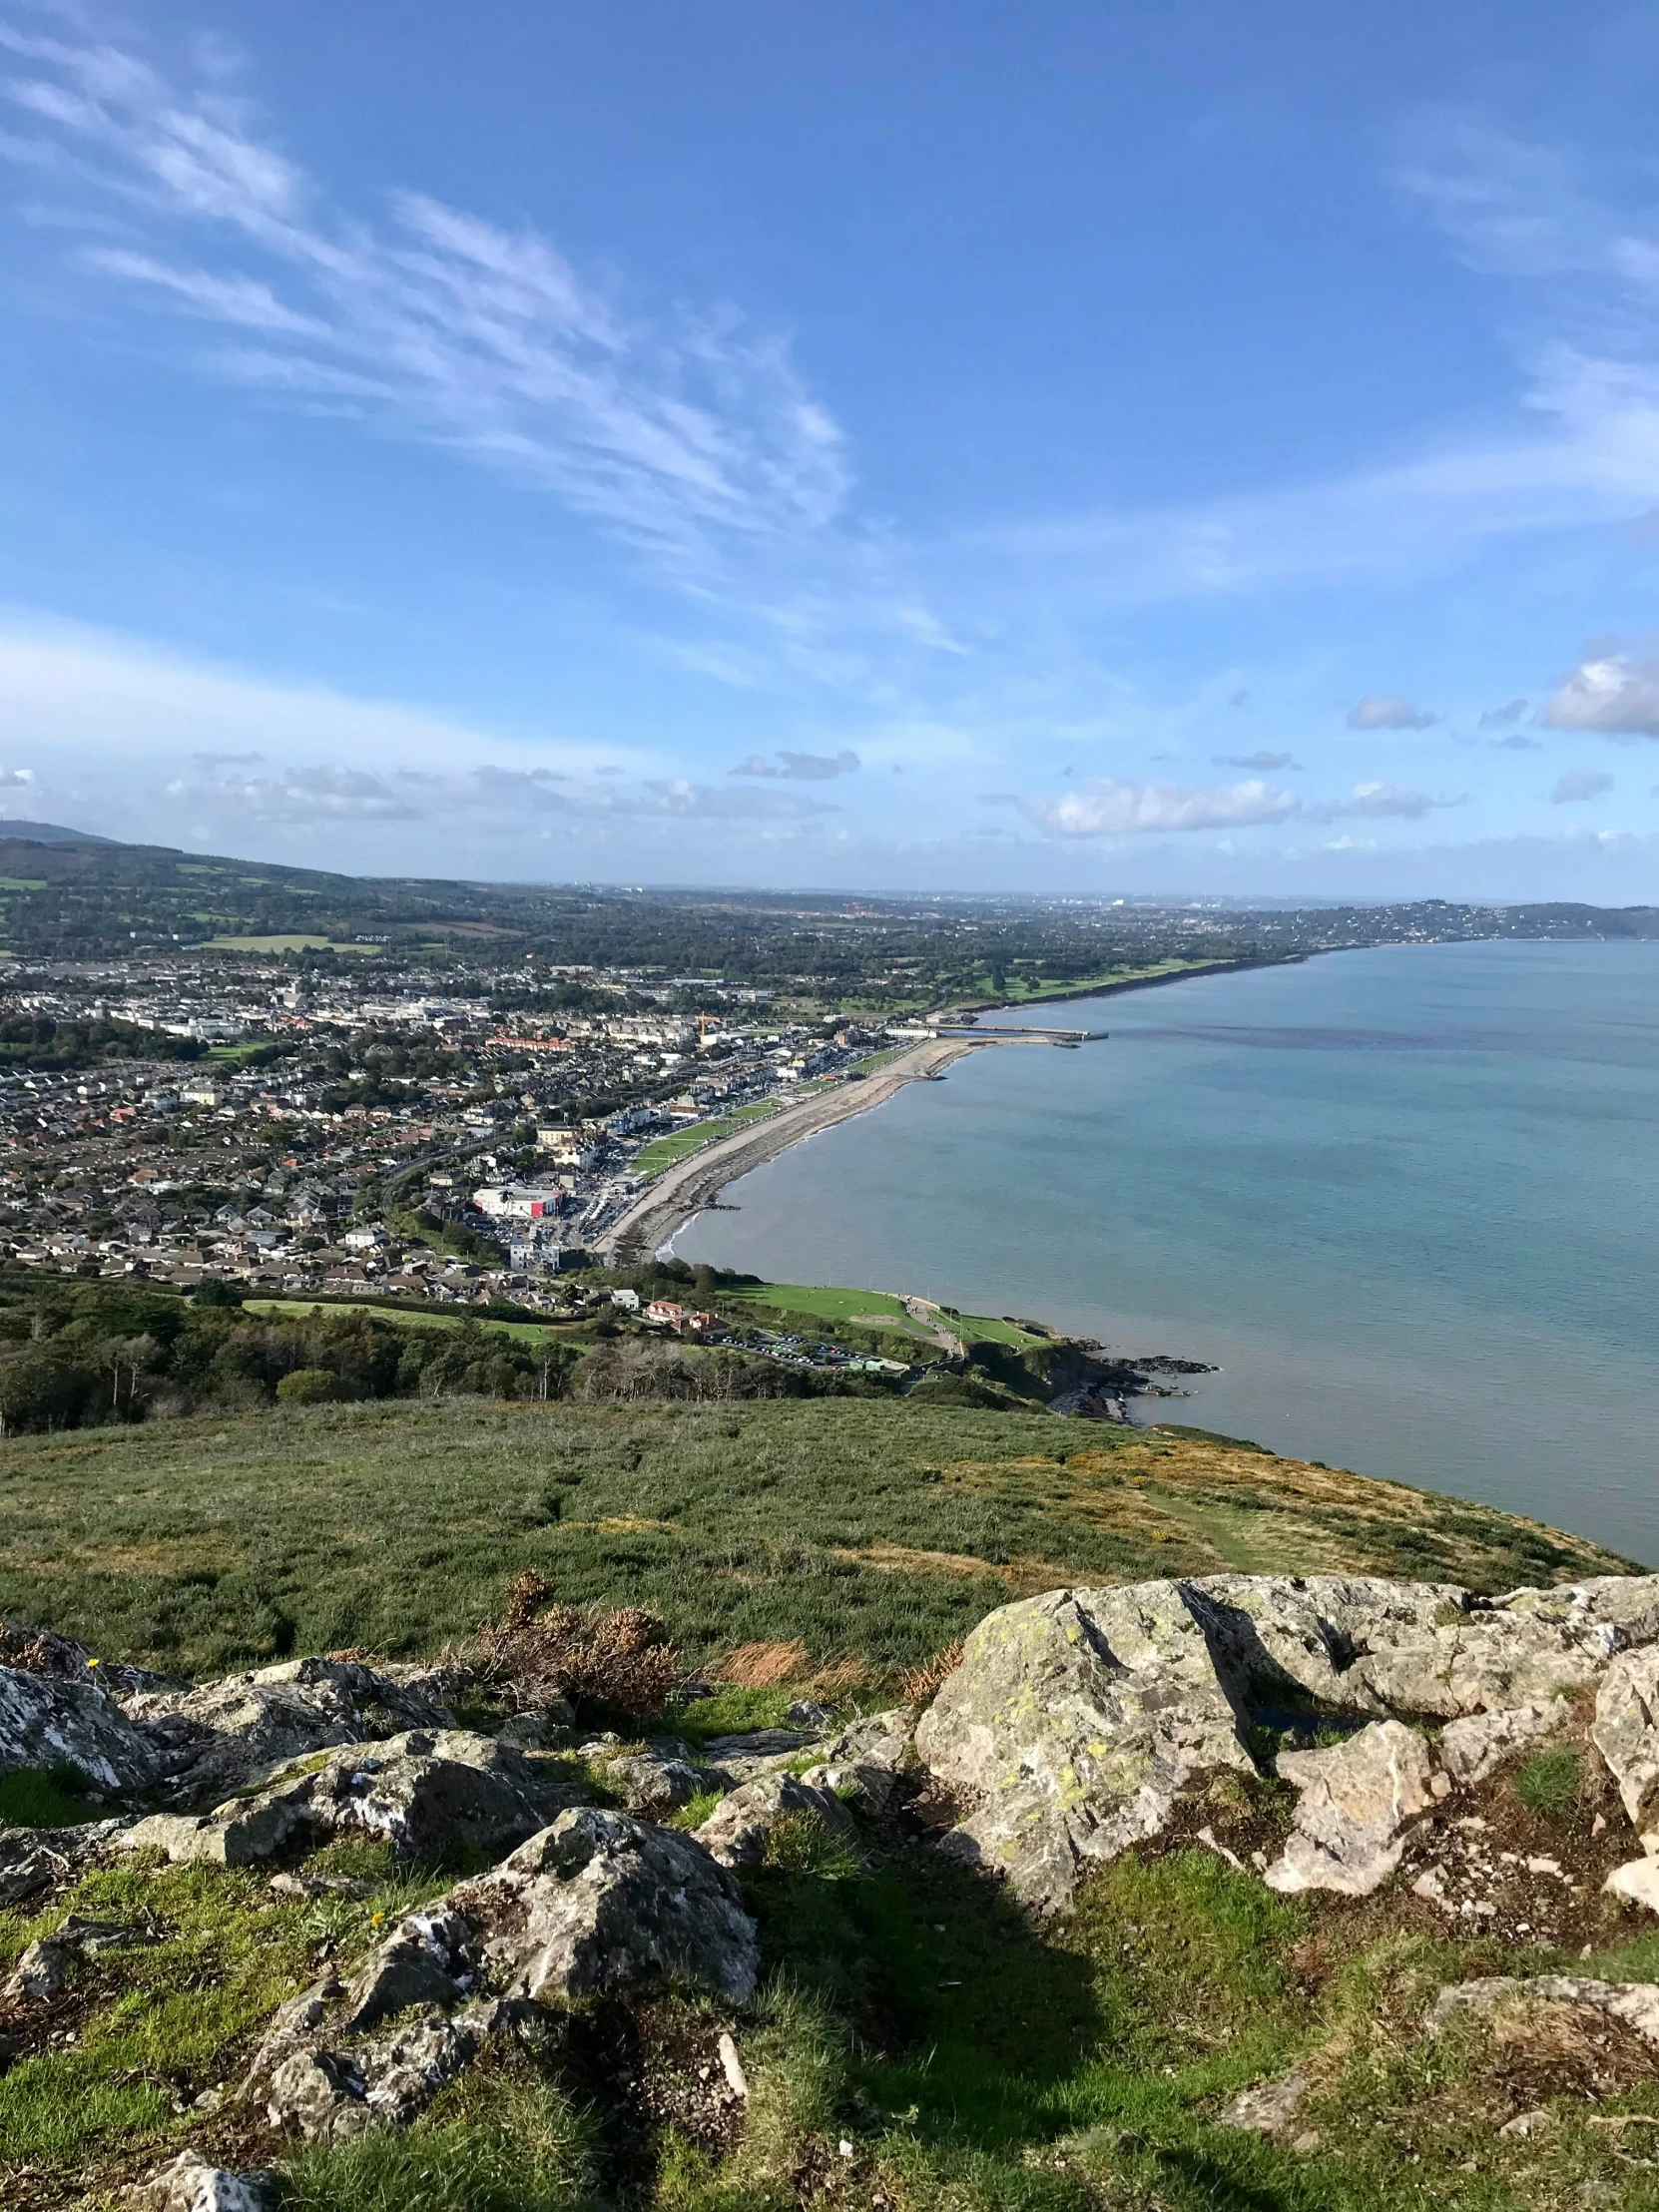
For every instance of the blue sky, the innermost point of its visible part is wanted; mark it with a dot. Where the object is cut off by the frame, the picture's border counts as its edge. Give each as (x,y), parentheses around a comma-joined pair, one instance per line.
(921,444)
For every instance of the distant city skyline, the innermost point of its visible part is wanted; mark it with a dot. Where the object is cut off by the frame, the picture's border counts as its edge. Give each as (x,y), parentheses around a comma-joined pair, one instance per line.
(1160,449)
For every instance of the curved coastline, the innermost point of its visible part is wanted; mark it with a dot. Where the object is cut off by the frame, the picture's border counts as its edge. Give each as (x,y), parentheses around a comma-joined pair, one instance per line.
(663,1208)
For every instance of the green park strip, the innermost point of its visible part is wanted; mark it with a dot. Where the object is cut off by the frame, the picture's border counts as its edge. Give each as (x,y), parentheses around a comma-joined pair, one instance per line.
(666,1152)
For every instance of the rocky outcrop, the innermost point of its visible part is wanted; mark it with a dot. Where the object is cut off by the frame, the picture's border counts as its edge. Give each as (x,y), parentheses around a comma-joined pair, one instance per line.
(1635,2005)
(436,1796)
(48,1720)
(873,1759)
(742,1825)
(598,1901)
(1077,1719)
(595,1902)
(35,1858)
(44,1966)
(229,1735)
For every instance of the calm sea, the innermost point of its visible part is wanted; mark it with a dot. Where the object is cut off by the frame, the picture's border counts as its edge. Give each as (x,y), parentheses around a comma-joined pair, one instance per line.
(1407,1200)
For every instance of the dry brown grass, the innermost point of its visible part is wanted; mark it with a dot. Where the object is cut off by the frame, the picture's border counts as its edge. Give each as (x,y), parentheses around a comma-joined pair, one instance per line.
(921,1685)
(763,1666)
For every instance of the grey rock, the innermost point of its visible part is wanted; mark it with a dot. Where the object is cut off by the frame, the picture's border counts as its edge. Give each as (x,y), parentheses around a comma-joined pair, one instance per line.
(1270,2107)
(1076,1718)
(760,1751)
(1635,2004)
(192,2183)
(539,1728)
(44,1966)
(741,1827)
(873,1758)
(1637,1882)
(34,1859)
(1626,1730)
(433,1794)
(47,1722)
(807,1713)
(600,1902)
(651,1784)
(234,1734)
(1355,1801)
(304,1889)
(1472,1748)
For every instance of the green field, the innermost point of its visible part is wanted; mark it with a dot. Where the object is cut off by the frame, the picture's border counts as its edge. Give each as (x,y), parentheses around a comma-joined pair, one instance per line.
(666,1152)
(403,1316)
(289,941)
(834,1303)
(873,1529)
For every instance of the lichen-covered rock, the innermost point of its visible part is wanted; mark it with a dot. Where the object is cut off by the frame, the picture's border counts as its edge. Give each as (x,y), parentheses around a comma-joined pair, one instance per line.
(192,2183)
(230,1735)
(1268,2108)
(1626,1731)
(49,1721)
(1076,1718)
(1355,1801)
(433,1794)
(599,1902)
(741,1827)
(1073,1721)
(1472,1748)
(739,1759)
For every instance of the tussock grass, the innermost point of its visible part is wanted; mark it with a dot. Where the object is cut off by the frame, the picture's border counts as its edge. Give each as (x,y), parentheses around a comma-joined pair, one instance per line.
(201,1545)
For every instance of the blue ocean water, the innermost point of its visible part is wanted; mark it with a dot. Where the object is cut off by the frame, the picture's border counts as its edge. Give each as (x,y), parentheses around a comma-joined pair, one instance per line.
(1408,1200)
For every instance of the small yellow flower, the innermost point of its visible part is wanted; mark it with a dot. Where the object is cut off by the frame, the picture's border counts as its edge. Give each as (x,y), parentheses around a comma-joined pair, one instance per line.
(374,1918)
(92,1662)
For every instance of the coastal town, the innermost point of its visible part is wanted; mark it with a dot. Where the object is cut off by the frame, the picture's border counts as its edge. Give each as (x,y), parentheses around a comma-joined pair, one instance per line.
(331,1135)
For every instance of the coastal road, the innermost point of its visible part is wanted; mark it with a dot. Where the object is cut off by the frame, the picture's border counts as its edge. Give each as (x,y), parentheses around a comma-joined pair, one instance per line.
(681,1191)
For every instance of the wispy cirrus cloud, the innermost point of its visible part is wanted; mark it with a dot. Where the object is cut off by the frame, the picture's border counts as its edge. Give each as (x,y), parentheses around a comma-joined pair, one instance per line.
(1264,764)
(1578,785)
(691,435)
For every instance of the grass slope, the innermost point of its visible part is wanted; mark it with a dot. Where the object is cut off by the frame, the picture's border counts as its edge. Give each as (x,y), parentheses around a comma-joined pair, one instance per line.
(866,1529)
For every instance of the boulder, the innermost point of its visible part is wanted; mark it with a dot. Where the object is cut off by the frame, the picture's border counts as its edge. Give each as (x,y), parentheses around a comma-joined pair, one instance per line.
(741,1827)
(1071,1723)
(1637,1882)
(598,1901)
(230,1735)
(1076,1718)
(330,2095)
(1626,1731)
(49,1721)
(433,1794)
(1355,1801)
(741,1758)
(1270,2108)
(192,2183)
(1472,1748)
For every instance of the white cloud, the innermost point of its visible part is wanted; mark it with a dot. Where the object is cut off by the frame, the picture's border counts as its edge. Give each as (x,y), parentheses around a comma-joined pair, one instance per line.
(689,437)
(1376,800)
(801,767)
(1103,807)
(1388,711)
(1580,784)
(1614,695)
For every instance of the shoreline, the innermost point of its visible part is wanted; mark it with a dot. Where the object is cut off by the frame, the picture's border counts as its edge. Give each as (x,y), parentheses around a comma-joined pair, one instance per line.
(663,1208)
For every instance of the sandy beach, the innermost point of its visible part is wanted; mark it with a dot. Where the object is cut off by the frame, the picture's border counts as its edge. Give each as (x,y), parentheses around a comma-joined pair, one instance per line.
(681,1191)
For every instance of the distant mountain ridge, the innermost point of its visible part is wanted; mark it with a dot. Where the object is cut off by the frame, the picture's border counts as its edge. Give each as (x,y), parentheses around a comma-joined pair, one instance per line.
(49,832)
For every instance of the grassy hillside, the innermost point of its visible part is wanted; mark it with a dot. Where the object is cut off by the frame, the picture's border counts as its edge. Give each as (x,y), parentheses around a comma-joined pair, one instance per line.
(871,1530)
